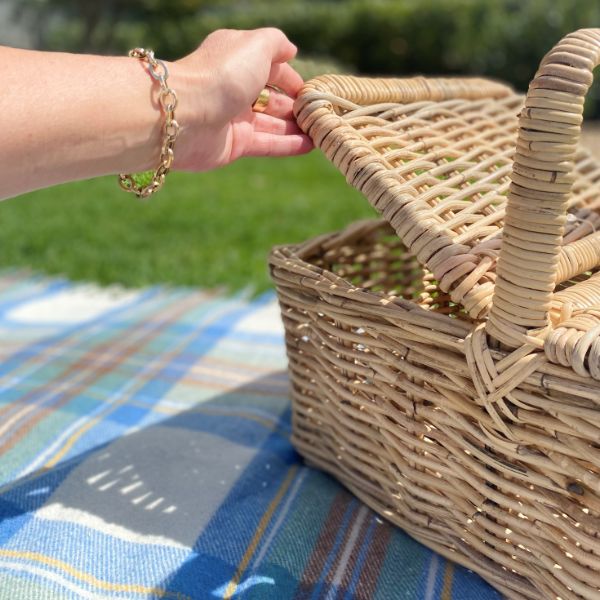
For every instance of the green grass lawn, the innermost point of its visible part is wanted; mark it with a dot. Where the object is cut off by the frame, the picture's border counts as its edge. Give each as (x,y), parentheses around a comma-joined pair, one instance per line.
(208,230)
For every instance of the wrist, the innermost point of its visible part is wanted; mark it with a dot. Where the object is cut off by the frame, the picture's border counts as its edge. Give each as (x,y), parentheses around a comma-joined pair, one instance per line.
(153,180)
(197,111)
(141,118)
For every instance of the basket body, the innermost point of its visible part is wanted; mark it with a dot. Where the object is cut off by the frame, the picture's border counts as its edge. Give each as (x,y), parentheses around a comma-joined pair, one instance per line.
(384,400)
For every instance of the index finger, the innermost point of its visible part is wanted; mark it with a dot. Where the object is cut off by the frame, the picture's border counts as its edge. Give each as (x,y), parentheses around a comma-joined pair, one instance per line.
(280,48)
(285,77)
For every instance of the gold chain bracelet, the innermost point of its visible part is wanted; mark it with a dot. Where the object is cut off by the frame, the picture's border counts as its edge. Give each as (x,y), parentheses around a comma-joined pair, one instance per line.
(168,102)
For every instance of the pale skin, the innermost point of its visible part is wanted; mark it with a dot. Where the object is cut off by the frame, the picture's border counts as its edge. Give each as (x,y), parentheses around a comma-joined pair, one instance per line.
(67,117)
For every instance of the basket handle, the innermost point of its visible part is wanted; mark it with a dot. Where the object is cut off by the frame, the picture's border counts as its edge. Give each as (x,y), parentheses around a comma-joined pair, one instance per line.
(542,177)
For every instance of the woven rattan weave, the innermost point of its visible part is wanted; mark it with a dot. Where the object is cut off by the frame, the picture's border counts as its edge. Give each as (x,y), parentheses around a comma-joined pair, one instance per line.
(445,361)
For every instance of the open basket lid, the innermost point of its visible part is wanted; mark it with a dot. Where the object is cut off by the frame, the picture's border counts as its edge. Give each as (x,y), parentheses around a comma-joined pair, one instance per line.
(487,188)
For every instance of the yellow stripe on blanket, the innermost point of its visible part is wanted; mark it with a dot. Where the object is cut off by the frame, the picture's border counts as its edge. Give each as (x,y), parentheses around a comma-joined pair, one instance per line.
(82,576)
(260,530)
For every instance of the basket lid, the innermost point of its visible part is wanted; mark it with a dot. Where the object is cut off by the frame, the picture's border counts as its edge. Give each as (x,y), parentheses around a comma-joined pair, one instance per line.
(436,157)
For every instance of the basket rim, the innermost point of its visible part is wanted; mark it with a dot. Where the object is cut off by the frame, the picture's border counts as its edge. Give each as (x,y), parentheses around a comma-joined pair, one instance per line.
(287,262)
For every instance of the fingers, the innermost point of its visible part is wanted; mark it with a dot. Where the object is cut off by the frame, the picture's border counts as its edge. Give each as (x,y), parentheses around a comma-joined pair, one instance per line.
(259,134)
(280,48)
(285,77)
(280,105)
(269,144)
(264,123)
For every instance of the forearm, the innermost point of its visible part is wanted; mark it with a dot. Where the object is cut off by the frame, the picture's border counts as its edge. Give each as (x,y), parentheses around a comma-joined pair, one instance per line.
(65,117)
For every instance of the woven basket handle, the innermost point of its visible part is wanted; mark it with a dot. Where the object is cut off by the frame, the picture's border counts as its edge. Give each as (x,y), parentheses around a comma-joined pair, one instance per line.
(549,130)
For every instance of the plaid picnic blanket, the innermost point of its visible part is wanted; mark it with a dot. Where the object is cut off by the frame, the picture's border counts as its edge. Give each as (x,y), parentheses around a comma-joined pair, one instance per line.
(144,453)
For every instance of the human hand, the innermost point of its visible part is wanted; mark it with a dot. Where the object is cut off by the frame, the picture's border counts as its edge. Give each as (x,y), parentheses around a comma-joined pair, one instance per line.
(217,85)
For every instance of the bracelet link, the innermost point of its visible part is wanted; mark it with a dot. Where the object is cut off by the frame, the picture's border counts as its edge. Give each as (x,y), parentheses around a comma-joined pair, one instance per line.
(171,130)
(168,102)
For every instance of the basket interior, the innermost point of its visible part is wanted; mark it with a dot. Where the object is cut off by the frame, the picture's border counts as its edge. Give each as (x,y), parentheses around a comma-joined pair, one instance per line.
(379,262)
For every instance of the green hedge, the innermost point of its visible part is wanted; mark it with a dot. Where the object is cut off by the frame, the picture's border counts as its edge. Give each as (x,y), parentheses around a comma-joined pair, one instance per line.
(503,39)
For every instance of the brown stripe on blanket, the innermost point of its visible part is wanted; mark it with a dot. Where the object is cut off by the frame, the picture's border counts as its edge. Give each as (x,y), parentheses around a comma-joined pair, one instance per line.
(323,546)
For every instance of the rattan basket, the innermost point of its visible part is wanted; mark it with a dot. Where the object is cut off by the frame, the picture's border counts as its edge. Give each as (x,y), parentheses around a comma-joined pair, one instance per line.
(445,361)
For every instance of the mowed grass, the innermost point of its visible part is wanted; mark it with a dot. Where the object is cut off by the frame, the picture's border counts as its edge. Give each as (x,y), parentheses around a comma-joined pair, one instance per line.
(205,230)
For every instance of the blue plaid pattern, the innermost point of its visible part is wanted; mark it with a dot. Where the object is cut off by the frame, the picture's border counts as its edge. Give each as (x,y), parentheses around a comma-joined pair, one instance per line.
(144,443)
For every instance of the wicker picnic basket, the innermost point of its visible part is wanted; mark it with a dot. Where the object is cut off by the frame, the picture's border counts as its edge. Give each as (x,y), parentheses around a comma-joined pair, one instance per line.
(445,360)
